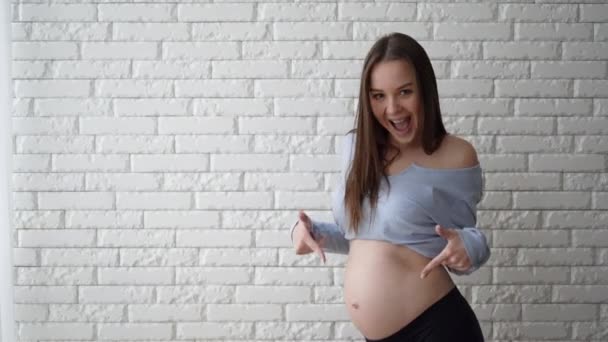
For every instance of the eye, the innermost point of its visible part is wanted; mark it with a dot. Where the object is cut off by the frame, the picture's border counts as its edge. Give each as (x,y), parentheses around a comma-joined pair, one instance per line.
(375,96)
(407,91)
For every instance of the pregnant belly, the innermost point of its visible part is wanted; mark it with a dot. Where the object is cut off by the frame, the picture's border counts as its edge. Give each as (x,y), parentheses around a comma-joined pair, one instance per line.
(383,291)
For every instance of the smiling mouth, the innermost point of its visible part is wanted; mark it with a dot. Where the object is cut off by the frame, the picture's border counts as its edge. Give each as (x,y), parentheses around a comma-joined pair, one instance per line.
(402,125)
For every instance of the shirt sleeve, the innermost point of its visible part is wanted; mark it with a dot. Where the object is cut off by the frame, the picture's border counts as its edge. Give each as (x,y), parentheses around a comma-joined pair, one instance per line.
(477,249)
(334,240)
(463,213)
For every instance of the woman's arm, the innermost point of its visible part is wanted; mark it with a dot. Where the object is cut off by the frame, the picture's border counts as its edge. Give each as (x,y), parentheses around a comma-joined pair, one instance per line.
(474,241)
(334,240)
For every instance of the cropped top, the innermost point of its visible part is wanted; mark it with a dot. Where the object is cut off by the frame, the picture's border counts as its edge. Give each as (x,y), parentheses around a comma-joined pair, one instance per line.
(406,213)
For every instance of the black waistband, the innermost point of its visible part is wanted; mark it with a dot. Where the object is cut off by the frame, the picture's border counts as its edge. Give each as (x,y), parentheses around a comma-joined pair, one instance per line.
(439,308)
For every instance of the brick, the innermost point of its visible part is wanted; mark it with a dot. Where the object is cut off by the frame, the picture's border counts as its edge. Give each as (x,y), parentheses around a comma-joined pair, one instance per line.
(231,31)
(213,330)
(300,276)
(135,12)
(215,12)
(120,181)
(376,11)
(86,312)
(537,13)
(52,88)
(72,106)
(68,331)
(134,144)
(590,88)
(244,313)
(194,294)
(553,107)
(57,12)
(56,238)
(30,312)
(554,256)
(312,106)
(119,50)
(135,238)
(293,331)
(279,126)
(551,200)
(566,162)
(328,68)
(371,31)
(115,294)
(45,294)
(150,31)
(531,275)
(532,88)
(311,31)
(526,181)
(535,144)
(490,69)
(553,31)
(472,31)
(249,162)
(134,275)
(238,257)
(516,126)
(520,50)
(537,238)
(228,108)
(270,294)
(213,238)
(250,69)
(214,144)
(593,13)
(79,257)
(296,12)
(580,293)
(51,31)
(165,312)
(213,275)
(530,330)
(134,331)
(158,257)
(456,12)
(584,50)
(82,162)
(150,107)
(133,88)
(281,50)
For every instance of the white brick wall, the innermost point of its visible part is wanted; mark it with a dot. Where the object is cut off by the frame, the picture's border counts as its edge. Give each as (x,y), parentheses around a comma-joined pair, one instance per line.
(163,149)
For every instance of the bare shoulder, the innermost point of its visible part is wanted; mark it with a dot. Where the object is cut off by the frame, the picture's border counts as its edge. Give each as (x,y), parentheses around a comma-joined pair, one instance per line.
(458,152)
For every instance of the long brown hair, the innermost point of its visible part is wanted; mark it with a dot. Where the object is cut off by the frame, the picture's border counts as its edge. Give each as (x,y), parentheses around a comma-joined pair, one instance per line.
(372,139)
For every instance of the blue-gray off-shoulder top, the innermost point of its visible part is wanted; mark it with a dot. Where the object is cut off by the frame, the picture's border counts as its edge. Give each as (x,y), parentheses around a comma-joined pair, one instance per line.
(406,214)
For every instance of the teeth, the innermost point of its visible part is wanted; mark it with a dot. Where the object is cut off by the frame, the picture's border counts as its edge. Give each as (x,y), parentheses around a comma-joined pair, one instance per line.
(398,121)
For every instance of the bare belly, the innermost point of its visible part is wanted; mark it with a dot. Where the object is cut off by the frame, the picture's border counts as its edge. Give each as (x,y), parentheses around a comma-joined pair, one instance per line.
(382,287)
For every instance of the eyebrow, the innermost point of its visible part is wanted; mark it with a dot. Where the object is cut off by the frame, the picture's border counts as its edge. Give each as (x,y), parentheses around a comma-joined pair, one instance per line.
(402,86)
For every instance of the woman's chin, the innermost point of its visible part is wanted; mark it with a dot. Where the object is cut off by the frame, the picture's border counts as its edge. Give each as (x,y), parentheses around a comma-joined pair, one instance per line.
(403,137)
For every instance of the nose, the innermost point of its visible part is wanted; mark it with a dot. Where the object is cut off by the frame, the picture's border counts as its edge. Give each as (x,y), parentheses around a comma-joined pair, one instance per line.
(392,106)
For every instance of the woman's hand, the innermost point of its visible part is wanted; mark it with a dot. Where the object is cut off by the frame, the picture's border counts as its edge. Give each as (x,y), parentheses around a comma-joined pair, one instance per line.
(454,254)
(303,240)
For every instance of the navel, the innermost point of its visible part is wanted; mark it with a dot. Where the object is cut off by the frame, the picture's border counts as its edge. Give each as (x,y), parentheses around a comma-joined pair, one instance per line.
(355,305)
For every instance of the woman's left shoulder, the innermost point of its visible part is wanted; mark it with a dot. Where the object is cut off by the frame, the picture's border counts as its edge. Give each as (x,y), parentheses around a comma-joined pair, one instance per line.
(459,152)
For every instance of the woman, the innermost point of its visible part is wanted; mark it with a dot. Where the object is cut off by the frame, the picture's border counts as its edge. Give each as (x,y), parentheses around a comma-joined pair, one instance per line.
(405,206)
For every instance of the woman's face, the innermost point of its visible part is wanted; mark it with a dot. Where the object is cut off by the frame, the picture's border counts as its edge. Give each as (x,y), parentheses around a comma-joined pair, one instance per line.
(394,96)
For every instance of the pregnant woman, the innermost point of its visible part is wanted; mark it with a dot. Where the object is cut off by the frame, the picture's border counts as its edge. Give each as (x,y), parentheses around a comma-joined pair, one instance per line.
(404,208)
